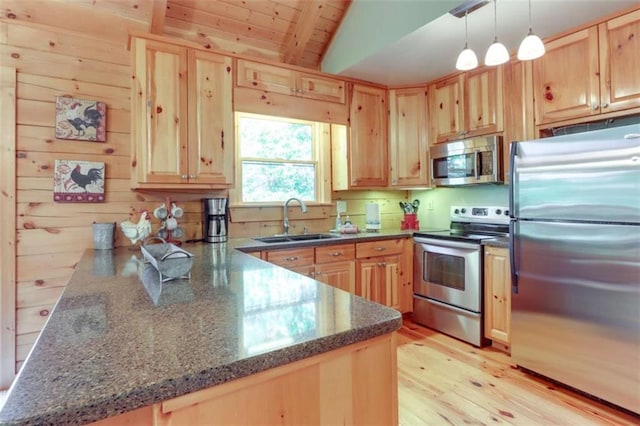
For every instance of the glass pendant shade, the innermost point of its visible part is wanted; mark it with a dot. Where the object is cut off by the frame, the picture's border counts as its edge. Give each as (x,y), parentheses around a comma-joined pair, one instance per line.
(496,54)
(467,60)
(531,47)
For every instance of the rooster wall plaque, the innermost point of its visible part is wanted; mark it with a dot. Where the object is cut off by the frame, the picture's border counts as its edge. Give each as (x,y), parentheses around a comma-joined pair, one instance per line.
(78,181)
(80,119)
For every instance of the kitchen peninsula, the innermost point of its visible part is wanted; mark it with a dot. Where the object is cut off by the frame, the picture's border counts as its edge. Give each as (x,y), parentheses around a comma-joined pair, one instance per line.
(241,341)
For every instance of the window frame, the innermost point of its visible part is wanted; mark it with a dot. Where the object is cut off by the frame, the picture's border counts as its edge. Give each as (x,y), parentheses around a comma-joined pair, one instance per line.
(321,139)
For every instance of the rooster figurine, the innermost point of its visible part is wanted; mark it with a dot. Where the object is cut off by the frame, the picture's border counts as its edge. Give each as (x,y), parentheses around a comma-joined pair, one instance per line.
(137,232)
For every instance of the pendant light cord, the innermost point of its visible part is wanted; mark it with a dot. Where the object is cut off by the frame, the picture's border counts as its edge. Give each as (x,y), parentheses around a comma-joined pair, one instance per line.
(495,20)
(466,30)
(530,28)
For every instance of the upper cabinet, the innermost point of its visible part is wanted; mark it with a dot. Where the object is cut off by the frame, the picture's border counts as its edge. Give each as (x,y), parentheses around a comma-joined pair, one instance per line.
(408,143)
(255,75)
(360,154)
(182,117)
(589,72)
(466,105)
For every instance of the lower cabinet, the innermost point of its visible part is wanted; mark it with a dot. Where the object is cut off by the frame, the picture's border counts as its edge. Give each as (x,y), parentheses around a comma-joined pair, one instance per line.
(376,270)
(497,295)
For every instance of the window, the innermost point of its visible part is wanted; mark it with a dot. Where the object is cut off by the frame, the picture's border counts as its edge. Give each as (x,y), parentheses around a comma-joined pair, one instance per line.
(279,158)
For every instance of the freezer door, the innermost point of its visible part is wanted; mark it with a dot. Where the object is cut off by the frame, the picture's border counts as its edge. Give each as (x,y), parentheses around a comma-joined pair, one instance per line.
(576,313)
(583,180)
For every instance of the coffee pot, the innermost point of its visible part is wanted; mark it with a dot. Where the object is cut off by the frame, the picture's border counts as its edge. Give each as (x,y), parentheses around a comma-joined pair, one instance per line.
(216,219)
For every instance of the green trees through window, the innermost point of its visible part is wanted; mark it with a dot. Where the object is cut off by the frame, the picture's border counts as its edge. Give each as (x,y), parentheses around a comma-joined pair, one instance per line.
(278,158)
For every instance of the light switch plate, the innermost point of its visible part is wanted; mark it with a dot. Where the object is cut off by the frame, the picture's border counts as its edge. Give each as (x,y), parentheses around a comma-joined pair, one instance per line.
(341,206)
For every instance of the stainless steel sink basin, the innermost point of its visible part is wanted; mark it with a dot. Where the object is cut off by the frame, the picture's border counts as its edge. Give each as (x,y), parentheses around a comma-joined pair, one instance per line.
(293,238)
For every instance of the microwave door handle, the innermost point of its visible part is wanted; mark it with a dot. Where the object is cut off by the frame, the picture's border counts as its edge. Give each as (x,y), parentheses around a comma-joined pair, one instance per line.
(476,162)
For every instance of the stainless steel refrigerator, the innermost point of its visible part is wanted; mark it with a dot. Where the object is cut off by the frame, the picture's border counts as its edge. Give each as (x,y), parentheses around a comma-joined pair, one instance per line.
(575,261)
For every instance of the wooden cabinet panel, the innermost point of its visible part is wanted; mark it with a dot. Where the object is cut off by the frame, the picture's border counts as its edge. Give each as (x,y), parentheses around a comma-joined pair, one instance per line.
(328,254)
(497,294)
(368,158)
(255,75)
(289,258)
(211,144)
(159,97)
(620,62)
(182,118)
(447,109)
(566,82)
(378,279)
(341,275)
(379,248)
(483,101)
(408,143)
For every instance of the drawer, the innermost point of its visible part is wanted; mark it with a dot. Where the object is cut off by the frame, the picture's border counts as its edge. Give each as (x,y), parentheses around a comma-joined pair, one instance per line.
(335,253)
(379,248)
(291,257)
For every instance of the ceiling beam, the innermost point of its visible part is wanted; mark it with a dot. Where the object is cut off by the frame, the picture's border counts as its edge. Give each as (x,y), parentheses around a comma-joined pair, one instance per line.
(303,30)
(158,14)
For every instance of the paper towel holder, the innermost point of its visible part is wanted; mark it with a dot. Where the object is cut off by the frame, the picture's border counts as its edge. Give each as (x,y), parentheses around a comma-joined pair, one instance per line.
(372,217)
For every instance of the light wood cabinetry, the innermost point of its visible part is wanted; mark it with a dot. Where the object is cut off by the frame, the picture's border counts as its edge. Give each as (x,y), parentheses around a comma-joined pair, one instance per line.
(497,295)
(335,265)
(291,258)
(182,117)
(360,153)
(466,105)
(408,143)
(255,75)
(590,72)
(379,271)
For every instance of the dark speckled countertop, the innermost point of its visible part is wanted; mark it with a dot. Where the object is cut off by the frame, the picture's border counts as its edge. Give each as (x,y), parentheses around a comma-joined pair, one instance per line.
(119,339)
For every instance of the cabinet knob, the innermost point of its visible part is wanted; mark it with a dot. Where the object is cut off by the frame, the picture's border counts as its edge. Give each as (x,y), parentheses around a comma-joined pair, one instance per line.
(595,106)
(380,248)
(604,105)
(382,264)
(192,176)
(291,259)
(335,253)
(184,177)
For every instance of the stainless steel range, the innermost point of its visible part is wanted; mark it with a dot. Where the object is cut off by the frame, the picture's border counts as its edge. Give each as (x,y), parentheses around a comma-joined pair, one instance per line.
(448,272)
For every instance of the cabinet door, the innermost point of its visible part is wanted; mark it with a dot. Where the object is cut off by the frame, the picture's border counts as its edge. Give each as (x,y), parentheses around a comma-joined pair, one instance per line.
(322,88)
(620,62)
(159,135)
(266,77)
(483,101)
(408,144)
(368,161)
(378,279)
(447,109)
(497,278)
(566,82)
(341,275)
(211,135)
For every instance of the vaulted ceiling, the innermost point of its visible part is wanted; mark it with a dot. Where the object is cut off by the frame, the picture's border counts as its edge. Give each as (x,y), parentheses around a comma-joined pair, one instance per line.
(291,31)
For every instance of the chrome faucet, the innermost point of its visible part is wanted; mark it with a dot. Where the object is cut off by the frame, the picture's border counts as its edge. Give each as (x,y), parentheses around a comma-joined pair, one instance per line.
(285,225)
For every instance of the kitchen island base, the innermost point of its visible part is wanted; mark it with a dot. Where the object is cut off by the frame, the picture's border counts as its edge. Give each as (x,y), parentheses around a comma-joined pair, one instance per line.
(356,384)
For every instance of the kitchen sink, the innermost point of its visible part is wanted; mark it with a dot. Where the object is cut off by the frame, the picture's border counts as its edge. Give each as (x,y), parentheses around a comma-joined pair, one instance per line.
(293,238)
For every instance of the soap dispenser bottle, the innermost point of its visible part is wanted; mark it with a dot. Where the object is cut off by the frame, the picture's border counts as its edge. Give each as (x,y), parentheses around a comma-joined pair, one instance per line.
(338,223)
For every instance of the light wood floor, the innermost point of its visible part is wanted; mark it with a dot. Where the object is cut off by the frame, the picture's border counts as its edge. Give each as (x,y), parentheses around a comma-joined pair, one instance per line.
(445,381)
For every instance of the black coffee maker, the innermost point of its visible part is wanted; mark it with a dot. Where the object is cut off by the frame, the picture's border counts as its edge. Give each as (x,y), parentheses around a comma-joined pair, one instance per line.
(216,219)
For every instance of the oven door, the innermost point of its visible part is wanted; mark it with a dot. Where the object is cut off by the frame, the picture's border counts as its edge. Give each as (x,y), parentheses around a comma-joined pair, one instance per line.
(449,272)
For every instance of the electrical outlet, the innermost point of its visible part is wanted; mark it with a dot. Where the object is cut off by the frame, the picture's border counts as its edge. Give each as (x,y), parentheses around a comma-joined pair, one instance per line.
(341,206)
(430,205)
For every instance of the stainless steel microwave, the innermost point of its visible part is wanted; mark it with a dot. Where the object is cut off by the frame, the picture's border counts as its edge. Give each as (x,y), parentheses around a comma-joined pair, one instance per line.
(467,162)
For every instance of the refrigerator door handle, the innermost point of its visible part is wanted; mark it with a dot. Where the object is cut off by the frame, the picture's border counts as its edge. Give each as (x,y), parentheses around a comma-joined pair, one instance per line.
(512,177)
(512,257)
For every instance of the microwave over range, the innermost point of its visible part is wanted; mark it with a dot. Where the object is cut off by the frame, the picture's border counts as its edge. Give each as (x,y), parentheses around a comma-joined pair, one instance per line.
(467,162)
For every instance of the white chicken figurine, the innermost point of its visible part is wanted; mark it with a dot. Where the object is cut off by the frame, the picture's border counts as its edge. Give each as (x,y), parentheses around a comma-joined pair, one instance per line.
(137,231)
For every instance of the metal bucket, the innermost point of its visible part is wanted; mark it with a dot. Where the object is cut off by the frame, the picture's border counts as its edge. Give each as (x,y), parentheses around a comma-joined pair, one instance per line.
(103,235)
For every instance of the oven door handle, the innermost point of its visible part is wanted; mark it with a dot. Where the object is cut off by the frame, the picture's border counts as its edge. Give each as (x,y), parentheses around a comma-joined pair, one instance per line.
(445,243)
(476,163)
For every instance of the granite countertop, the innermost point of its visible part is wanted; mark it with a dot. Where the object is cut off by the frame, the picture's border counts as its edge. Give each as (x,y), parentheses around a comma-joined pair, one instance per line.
(119,339)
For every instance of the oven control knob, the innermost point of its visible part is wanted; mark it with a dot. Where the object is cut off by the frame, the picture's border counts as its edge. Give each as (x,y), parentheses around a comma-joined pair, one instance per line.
(498,212)
(456,211)
(463,211)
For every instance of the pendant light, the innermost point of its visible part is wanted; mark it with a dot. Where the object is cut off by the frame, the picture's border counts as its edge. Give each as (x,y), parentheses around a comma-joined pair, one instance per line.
(496,54)
(531,47)
(467,59)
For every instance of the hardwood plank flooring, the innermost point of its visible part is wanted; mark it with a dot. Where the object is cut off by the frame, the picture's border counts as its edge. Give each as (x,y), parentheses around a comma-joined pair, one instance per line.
(442,381)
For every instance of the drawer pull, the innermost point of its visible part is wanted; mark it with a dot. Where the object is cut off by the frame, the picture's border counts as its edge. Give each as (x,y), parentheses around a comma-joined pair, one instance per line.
(335,253)
(380,248)
(382,264)
(291,259)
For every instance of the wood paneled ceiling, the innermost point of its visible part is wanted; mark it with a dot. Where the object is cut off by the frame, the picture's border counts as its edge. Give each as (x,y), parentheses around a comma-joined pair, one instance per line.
(296,32)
